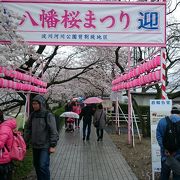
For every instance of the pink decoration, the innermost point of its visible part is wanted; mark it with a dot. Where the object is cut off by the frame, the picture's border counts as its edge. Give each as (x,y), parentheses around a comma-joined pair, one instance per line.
(140,69)
(1,81)
(131,84)
(10,84)
(158,75)
(125,77)
(150,78)
(135,82)
(128,76)
(158,61)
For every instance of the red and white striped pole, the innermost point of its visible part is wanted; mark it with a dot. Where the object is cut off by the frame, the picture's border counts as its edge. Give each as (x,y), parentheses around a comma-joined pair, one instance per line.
(163,73)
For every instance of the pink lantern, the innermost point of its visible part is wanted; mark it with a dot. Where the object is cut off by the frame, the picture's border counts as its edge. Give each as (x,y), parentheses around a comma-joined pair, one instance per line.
(150,65)
(134,82)
(11,73)
(125,77)
(1,82)
(128,85)
(157,61)
(25,77)
(1,69)
(146,79)
(138,82)
(131,84)
(141,80)
(158,75)
(134,72)
(150,77)
(33,88)
(28,78)
(45,91)
(114,87)
(128,76)
(18,86)
(153,76)
(144,67)
(7,72)
(10,84)
(4,83)
(140,69)
(137,71)
(15,85)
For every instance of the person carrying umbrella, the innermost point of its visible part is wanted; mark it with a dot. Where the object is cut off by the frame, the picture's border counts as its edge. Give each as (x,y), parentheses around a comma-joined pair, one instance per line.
(87,113)
(100,117)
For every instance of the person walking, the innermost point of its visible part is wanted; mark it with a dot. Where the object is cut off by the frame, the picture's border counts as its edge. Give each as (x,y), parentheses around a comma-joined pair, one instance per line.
(100,118)
(160,134)
(86,114)
(6,139)
(77,109)
(67,108)
(42,129)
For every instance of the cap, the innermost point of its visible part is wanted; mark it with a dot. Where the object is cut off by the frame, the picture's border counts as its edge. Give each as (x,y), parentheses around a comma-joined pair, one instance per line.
(175,109)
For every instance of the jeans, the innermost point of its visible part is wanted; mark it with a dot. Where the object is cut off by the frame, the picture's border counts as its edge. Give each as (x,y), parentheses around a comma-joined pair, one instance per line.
(165,172)
(100,136)
(86,125)
(41,159)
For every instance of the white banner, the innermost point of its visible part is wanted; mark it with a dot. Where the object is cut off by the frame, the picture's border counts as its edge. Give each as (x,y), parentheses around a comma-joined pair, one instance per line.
(90,23)
(158,109)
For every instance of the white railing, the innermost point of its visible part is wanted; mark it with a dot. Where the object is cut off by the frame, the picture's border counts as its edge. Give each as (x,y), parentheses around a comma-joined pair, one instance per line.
(123,117)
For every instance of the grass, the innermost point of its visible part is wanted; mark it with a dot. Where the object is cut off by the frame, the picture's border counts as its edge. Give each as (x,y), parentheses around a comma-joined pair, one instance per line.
(23,169)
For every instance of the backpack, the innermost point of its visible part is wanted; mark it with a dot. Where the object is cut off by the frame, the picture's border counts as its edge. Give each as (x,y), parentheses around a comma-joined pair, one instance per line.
(45,117)
(18,148)
(171,140)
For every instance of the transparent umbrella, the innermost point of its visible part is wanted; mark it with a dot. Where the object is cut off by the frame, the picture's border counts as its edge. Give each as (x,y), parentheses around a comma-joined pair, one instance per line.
(70,114)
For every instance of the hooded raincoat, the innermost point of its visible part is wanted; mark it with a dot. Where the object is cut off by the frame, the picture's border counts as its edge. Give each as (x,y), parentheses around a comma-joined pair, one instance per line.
(42,126)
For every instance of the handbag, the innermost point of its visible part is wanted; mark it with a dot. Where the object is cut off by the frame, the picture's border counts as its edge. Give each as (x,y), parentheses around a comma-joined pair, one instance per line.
(97,123)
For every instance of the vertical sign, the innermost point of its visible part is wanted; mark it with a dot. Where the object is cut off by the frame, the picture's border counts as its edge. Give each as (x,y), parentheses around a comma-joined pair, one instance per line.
(158,109)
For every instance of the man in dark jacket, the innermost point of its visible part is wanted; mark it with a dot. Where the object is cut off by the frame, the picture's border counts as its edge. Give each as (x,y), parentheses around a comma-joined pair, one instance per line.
(87,113)
(44,136)
(160,132)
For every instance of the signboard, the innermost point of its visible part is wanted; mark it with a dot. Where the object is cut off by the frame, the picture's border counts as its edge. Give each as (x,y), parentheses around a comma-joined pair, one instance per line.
(90,23)
(158,110)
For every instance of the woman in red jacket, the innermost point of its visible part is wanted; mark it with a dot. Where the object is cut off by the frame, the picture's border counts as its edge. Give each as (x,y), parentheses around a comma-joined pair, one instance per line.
(6,139)
(77,109)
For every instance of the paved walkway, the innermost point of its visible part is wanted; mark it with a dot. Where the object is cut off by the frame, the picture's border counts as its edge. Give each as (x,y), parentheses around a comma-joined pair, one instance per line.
(91,160)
